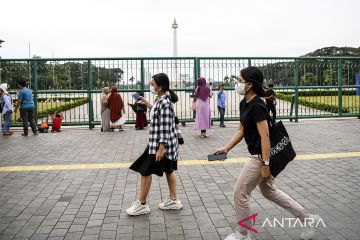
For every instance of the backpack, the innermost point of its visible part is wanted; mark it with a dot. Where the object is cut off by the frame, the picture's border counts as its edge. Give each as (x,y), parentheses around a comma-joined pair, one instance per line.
(2,103)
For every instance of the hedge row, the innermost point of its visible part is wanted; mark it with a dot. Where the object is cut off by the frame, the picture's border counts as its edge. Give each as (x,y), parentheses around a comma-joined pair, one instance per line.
(316,105)
(316,93)
(77,102)
(64,107)
(61,99)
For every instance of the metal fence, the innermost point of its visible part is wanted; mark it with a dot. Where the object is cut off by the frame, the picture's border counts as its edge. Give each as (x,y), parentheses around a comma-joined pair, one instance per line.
(308,87)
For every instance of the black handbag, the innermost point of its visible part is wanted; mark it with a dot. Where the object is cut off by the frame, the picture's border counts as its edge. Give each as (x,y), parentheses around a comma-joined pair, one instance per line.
(141,107)
(282,151)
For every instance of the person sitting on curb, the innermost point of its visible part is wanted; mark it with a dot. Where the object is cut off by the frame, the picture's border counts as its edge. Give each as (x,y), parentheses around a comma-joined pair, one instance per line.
(56,121)
(44,126)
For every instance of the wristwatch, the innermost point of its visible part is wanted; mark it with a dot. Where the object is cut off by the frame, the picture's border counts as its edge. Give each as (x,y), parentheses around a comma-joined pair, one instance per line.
(266,163)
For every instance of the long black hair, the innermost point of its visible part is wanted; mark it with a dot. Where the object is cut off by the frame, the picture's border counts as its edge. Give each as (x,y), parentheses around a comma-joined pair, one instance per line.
(162,80)
(255,76)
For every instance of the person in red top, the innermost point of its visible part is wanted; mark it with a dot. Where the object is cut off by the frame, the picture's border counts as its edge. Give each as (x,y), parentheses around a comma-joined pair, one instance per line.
(56,121)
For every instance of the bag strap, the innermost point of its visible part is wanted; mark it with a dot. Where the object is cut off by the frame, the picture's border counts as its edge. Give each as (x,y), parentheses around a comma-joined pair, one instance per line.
(271,121)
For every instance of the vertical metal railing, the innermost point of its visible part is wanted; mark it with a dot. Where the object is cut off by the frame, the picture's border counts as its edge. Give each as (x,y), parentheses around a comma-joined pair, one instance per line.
(340,86)
(90,105)
(296,94)
(306,87)
(35,85)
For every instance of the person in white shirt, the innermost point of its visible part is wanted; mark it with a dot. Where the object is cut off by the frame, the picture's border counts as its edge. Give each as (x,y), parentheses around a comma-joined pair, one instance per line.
(6,106)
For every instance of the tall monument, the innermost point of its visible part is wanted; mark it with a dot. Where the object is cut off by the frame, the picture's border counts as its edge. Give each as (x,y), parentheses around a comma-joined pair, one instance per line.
(175,70)
(174,27)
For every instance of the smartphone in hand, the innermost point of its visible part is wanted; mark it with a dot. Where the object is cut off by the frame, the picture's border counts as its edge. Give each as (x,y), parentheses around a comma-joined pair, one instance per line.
(136,96)
(215,157)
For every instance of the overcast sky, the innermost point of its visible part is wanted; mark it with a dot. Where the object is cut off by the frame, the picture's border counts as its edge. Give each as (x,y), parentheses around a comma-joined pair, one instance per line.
(134,28)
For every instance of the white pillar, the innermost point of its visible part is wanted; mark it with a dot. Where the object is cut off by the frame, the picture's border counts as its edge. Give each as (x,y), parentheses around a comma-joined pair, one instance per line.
(174,26)
(175,72)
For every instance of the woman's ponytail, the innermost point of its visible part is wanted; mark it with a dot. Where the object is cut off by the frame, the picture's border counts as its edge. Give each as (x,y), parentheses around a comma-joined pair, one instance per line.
(173,97)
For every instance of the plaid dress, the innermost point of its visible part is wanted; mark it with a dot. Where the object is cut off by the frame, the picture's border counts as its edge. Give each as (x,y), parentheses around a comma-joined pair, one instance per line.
(162,128)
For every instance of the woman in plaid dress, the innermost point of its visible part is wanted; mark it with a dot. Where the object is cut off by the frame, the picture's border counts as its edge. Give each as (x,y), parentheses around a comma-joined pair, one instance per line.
(161,154)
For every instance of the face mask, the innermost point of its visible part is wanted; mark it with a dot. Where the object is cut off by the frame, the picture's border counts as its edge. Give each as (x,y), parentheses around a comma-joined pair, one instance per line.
(153,91)
(240,88)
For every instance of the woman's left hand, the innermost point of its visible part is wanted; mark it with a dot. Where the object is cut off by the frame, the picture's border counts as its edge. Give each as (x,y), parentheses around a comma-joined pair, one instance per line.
(265,172)
(160,153)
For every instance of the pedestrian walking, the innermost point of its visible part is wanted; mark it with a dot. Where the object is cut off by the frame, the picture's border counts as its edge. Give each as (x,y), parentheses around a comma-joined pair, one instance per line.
(221,103)
(203,111)
(27,108)
(117,110)
(105,111)
(5,109)
(256,171)
(140,111)
(161,154)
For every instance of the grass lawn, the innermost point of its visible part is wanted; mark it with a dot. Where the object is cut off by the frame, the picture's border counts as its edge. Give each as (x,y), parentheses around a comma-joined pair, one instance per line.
(350,102)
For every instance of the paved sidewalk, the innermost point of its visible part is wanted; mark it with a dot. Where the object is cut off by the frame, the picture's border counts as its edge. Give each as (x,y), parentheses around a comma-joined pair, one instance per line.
(91,203)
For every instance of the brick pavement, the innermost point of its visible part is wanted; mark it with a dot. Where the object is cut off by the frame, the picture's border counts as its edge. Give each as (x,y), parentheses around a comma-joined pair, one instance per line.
(91,203)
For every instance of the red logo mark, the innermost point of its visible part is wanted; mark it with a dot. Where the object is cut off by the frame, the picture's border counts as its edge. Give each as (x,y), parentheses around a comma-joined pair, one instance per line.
(253,217)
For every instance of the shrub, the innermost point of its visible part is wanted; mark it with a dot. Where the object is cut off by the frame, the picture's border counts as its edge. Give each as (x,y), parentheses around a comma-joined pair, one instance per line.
(313,93)
(316,105)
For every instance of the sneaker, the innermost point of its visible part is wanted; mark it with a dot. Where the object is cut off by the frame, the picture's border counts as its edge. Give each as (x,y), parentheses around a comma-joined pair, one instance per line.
(137,209)
(203,135)
(309,231)
(24,135)
(238,236)
(170,204)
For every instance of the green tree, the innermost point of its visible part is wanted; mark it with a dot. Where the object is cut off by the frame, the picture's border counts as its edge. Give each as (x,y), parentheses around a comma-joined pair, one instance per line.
(308,79)
(226,81)
(330,77)
(233,79)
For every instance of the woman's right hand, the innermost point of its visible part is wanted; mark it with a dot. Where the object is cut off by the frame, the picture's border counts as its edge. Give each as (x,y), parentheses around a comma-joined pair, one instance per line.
(143,101)
(221,150)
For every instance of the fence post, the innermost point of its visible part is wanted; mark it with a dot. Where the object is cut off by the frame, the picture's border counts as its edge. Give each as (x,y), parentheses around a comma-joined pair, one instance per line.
(340,85)
(90,103)
(296,79)
(35,86)
(142,76)
(197,73)
(249,62)
(197,70)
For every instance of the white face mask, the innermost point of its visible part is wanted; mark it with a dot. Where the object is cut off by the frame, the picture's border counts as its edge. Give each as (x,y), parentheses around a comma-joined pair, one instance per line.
(153,91)
(240,88)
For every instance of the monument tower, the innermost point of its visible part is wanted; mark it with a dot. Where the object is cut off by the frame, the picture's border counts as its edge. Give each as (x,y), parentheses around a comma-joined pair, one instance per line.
(175,70)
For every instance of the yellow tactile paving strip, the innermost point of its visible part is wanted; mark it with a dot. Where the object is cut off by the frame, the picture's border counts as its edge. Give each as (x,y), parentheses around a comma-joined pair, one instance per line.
(181,162)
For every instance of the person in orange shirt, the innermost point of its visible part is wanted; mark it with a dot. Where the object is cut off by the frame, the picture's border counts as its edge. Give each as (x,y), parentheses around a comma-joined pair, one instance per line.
(44,126)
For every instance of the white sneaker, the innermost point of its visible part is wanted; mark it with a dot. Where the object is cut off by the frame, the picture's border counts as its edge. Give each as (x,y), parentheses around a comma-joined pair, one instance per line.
(238,236)
(309,231)
(138,209)
(170,204)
